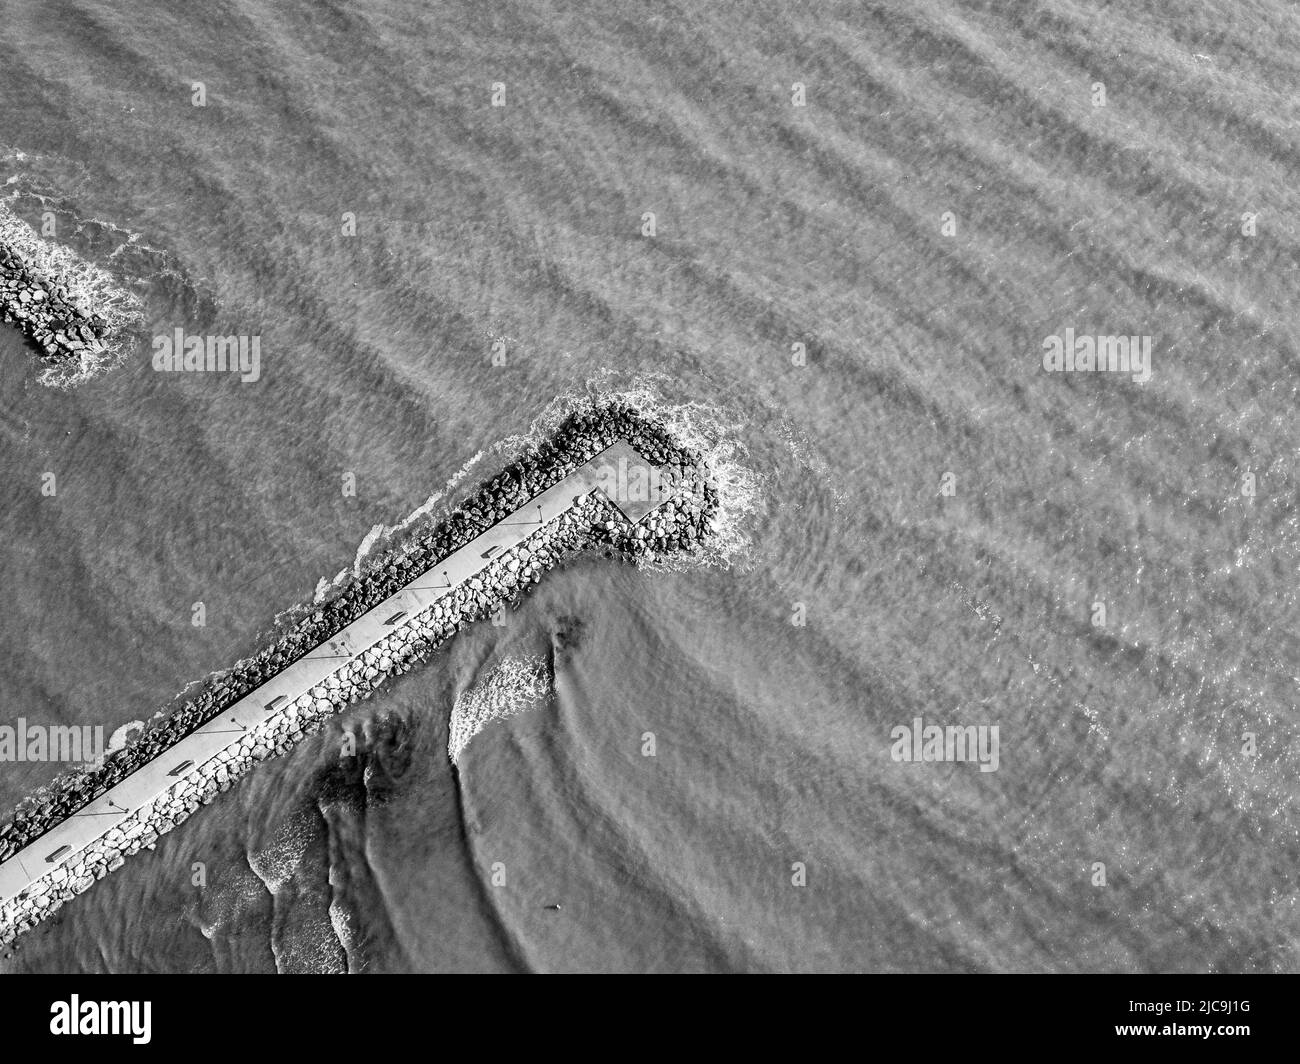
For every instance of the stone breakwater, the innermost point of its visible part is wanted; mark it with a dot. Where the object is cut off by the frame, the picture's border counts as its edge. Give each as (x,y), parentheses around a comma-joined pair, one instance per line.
(72,311)
(682,522)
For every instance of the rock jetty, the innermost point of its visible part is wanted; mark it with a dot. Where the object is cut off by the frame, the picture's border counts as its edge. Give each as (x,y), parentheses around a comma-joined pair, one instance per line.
(74,313)
(683,522)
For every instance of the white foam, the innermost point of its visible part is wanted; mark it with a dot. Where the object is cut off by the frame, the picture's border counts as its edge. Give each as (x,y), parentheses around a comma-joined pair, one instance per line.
(276,864)
(371,538)
(123,735)
(710,431)
(511,688)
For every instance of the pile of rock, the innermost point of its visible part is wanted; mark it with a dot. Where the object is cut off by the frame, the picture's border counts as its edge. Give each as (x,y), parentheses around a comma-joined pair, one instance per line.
(62,330)
(45,295)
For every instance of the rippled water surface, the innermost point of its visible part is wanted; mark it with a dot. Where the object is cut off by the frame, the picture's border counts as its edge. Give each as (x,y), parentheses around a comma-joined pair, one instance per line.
(519,229)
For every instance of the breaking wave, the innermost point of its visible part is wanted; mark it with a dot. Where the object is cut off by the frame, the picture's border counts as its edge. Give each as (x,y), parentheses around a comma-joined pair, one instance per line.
(511,688)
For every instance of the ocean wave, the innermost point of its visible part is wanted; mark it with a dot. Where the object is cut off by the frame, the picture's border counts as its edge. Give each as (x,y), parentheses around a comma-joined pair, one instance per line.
(275,864)
(511,688)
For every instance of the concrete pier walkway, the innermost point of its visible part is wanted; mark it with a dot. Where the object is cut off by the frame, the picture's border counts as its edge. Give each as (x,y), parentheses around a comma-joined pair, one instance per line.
(152,779)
